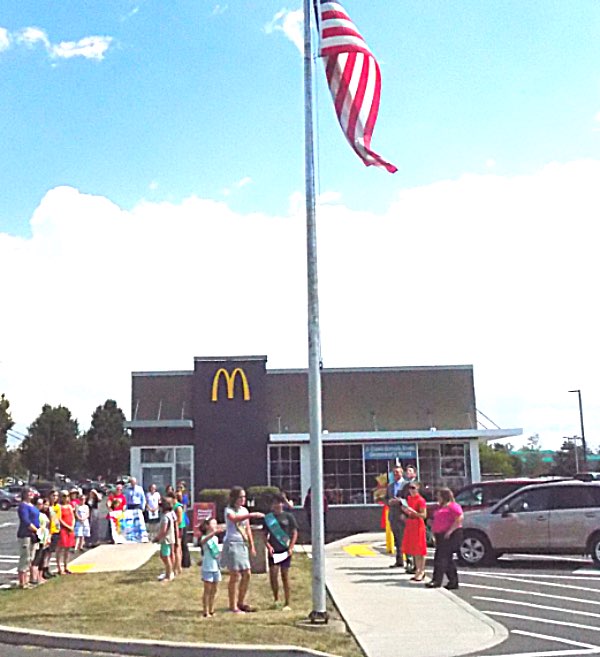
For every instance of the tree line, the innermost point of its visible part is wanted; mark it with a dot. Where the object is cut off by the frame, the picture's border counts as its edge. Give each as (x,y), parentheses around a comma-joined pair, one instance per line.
(54,444)
(500,459)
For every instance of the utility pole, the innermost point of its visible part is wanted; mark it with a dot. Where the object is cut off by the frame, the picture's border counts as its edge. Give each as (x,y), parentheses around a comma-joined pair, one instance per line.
(583,445)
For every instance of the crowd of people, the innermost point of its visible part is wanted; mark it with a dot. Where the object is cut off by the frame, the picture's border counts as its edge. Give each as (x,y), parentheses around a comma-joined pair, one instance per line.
(407,515)
(65,523)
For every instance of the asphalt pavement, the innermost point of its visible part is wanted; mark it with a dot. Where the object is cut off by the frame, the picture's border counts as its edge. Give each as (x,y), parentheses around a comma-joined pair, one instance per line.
(550,605)
(9,549)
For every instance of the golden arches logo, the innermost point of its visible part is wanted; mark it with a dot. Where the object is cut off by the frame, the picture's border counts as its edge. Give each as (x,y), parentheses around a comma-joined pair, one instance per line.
(230,381)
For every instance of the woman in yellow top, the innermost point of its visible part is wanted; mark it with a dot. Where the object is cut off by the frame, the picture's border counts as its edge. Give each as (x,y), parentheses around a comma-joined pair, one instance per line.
(54,510)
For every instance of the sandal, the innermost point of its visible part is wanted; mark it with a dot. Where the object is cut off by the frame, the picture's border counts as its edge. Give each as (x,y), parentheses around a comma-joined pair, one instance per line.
(417,578)
(246,608)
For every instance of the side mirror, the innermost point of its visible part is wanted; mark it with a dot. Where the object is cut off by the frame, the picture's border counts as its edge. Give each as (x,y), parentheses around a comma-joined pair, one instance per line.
(505,510)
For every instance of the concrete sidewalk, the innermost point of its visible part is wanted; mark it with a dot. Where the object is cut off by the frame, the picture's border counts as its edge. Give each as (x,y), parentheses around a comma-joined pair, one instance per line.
(387,613)
(113,558)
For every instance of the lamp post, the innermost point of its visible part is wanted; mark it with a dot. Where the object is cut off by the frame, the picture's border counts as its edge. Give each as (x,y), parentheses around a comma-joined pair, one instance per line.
(582,430)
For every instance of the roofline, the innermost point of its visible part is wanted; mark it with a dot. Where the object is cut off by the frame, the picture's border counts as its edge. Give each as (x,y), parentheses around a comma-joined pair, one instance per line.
(387,436)
(165,373)
(221,359)
(374,369)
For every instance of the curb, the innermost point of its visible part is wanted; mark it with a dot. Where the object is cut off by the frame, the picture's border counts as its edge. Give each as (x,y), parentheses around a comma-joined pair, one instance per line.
(500,632)
(145,648)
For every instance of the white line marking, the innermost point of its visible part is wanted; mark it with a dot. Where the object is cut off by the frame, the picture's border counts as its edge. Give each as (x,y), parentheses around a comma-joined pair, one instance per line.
(590,628)
(531,593)
(517,556)
(9,556)
(12,571)
(591,574)
(530,581)
(558,639)
(8,524)
(534,606)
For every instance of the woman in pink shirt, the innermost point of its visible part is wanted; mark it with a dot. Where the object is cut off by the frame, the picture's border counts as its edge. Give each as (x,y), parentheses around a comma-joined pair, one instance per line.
(447,530)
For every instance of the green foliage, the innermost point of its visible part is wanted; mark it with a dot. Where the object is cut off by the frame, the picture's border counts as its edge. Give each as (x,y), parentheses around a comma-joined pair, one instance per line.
(262,497)
(6,421)
(52,444)
(107,442)
(220,496)
(497,459)
(565,459)
(532,460)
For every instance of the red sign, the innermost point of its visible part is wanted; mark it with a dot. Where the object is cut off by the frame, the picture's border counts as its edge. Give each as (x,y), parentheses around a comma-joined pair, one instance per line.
(202,511)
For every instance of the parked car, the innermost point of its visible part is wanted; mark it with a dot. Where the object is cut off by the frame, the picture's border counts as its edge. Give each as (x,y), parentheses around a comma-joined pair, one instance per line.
(8,499)
(588,476)
(561,517)
(483,494)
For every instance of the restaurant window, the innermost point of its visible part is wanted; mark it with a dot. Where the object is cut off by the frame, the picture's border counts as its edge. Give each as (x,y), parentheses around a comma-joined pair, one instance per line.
(343,474)
(284,470)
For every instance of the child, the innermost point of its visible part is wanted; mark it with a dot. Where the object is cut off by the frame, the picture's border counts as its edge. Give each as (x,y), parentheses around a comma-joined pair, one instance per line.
(211,572)
(166,538)
(281,532)
(82,524)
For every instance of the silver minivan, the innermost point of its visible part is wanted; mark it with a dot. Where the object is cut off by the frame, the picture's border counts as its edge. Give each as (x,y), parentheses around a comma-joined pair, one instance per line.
(562,517)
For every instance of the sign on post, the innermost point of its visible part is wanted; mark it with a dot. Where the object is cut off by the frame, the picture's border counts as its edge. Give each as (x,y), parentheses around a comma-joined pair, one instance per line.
(202,511)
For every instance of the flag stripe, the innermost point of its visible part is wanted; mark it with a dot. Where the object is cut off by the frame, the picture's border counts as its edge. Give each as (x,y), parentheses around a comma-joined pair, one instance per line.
(353,77)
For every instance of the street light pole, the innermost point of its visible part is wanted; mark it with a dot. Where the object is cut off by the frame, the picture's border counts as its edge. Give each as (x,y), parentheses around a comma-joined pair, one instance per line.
(583,445)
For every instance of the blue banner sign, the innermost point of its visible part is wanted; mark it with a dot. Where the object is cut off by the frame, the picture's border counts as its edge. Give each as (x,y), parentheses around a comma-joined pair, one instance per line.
(390,452)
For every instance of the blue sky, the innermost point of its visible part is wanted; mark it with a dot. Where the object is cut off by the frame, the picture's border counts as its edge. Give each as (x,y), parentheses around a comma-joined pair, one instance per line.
(144,106)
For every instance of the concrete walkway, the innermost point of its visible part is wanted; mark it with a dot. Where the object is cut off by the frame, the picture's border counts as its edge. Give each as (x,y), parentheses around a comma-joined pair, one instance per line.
(385,611)
(113,558)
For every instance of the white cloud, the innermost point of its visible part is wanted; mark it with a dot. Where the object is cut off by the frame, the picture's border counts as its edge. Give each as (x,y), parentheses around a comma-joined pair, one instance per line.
(90,47)
(219,9)
(492,270)
(291,23)
(4,39)
(490,163)
(30,36)
(243,182)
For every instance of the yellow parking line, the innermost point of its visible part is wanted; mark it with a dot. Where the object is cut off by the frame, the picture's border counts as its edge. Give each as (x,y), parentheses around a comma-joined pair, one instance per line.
(360,550)
(81,568)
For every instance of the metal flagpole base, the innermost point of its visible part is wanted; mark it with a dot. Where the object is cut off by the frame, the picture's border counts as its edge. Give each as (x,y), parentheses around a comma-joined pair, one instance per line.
(319,617)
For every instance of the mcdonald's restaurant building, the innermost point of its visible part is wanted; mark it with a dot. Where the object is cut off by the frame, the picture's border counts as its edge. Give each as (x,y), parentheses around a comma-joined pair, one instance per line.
(232,421)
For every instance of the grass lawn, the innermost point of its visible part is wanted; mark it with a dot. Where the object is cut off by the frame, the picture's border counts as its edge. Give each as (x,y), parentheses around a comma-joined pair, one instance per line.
(136,605)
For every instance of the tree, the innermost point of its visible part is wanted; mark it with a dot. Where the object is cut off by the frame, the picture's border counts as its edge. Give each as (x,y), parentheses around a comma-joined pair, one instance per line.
(6,424)
(532,459)
(107,442)
(497,460)
(52,444)
(565,459)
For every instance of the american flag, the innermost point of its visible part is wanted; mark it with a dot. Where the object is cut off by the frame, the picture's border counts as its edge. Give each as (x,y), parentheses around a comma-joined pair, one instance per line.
(353,77)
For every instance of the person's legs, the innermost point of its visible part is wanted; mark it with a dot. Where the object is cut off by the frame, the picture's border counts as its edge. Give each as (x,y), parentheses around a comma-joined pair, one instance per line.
(211,600)
(285,580)
(244,583)
(234,577)
(451,573)
(419,566)
(398,534)
(439,564)
(274,580)
(206,598)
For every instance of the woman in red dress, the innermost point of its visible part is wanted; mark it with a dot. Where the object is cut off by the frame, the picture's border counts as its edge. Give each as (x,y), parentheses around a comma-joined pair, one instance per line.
(66,539)
(414,542)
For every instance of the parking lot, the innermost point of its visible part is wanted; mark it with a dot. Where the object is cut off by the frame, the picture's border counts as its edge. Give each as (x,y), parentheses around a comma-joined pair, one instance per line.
(9,552)
(550,605)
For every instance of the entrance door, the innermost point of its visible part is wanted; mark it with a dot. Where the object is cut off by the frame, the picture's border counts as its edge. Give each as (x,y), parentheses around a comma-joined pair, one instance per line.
(161,475)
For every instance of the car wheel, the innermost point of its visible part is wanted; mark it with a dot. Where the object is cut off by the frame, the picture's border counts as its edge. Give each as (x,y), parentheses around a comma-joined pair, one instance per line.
(595,549)
(475,550)
(4,505)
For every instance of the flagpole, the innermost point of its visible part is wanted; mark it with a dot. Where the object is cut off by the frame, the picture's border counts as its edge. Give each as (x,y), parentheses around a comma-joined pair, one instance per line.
(319,600)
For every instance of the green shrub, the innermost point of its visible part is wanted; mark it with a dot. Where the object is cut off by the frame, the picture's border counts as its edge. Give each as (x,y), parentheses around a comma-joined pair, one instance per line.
(220,496)
(262,497)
